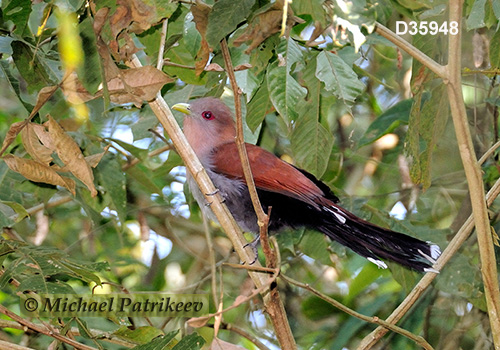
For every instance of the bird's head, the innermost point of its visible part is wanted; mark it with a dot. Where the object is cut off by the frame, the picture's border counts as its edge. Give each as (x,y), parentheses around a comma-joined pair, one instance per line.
(209,124)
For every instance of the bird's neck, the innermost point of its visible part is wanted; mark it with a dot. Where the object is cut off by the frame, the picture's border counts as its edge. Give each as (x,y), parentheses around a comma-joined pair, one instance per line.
(204,140)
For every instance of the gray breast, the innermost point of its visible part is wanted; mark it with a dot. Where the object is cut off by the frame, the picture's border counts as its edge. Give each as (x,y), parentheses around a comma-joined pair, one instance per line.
(236,197)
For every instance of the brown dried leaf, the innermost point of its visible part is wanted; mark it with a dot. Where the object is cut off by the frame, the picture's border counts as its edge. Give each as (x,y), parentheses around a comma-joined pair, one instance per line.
(265,24)
(43,96)
(12,134)
(200,13)
(198,322)
(214,67)
(100,19)
(38,172)
(94,159)
(137,85)
(44,136)
(71,155)
(243,66)
(74,91)
(133,15)
(33,146)
(219,344)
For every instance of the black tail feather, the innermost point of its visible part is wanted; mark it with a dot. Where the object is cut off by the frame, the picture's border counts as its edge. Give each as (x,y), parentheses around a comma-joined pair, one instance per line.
(375,243)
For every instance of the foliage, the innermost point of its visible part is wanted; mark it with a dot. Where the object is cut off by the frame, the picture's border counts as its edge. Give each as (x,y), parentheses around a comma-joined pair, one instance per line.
(91,196)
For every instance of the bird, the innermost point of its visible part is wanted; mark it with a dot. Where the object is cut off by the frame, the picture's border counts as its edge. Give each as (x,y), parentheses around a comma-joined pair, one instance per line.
(296,197)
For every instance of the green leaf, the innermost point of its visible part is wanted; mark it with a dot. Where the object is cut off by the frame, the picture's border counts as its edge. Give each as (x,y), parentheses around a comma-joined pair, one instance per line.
(112,178)
(38,284)
(18,11)
(387,122)
(181,55)
(18,208)
(90,72)
(258,107)
(30,67)
(190,342)
(158,343)
(426,125)
(291,51)
(495,50)
(161,8)
(140,335)
(5,47)
(284,91)
(225,17)
(313,244)
(13,83)
(477,15)
(311,142)
(83,329)
(338,77)
(311,7)
(137,152)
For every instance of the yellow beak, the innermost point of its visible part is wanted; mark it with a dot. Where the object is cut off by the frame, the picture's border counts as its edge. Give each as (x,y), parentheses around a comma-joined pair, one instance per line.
(182,107)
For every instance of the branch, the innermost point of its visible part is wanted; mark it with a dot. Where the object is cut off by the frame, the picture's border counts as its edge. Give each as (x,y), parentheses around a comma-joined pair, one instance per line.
(372,319)
(412,51)
(262,218)
(473,174)
(425,282)
(274,307)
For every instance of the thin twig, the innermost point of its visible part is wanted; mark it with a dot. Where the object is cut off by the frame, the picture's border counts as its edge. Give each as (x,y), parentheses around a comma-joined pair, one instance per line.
(412,50)
(211,256)
(250,268)
(244,334)
(274,306)
(163,37)
(197,321)
(372,319)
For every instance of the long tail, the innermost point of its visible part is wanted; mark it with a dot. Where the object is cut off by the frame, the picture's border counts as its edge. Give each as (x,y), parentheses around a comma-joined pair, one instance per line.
(375,243)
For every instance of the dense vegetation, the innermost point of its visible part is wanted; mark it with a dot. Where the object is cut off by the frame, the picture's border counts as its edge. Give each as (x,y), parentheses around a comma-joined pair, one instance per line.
(91,183)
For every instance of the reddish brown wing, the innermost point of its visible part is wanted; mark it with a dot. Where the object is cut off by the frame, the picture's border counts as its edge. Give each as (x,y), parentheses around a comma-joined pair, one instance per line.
(270,173)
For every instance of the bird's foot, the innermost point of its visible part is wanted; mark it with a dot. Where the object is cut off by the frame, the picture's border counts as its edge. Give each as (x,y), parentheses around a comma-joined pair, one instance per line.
(253,244)
(212,193)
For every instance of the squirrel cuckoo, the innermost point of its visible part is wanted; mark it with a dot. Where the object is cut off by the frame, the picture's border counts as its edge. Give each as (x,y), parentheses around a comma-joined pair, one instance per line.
(297,198)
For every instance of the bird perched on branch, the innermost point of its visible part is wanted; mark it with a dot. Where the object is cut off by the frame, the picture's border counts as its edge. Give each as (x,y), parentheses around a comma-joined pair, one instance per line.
(297,198)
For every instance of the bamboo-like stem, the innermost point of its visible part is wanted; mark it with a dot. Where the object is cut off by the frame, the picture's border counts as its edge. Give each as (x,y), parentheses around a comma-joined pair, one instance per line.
(473,175)
(274,306)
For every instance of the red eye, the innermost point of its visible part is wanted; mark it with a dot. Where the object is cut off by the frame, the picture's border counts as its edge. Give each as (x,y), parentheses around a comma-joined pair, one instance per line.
(207,115)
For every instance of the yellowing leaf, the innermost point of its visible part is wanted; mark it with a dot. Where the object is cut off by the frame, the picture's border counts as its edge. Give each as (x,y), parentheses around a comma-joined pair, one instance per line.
(43,96)
(12,134)
(94,159)
(38,172)
(219,344)
(33,146)
(71,155)
(137,85)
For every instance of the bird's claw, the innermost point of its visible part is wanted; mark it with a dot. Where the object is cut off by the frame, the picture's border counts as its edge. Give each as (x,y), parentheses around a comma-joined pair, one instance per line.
(253,244)
(212,193)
